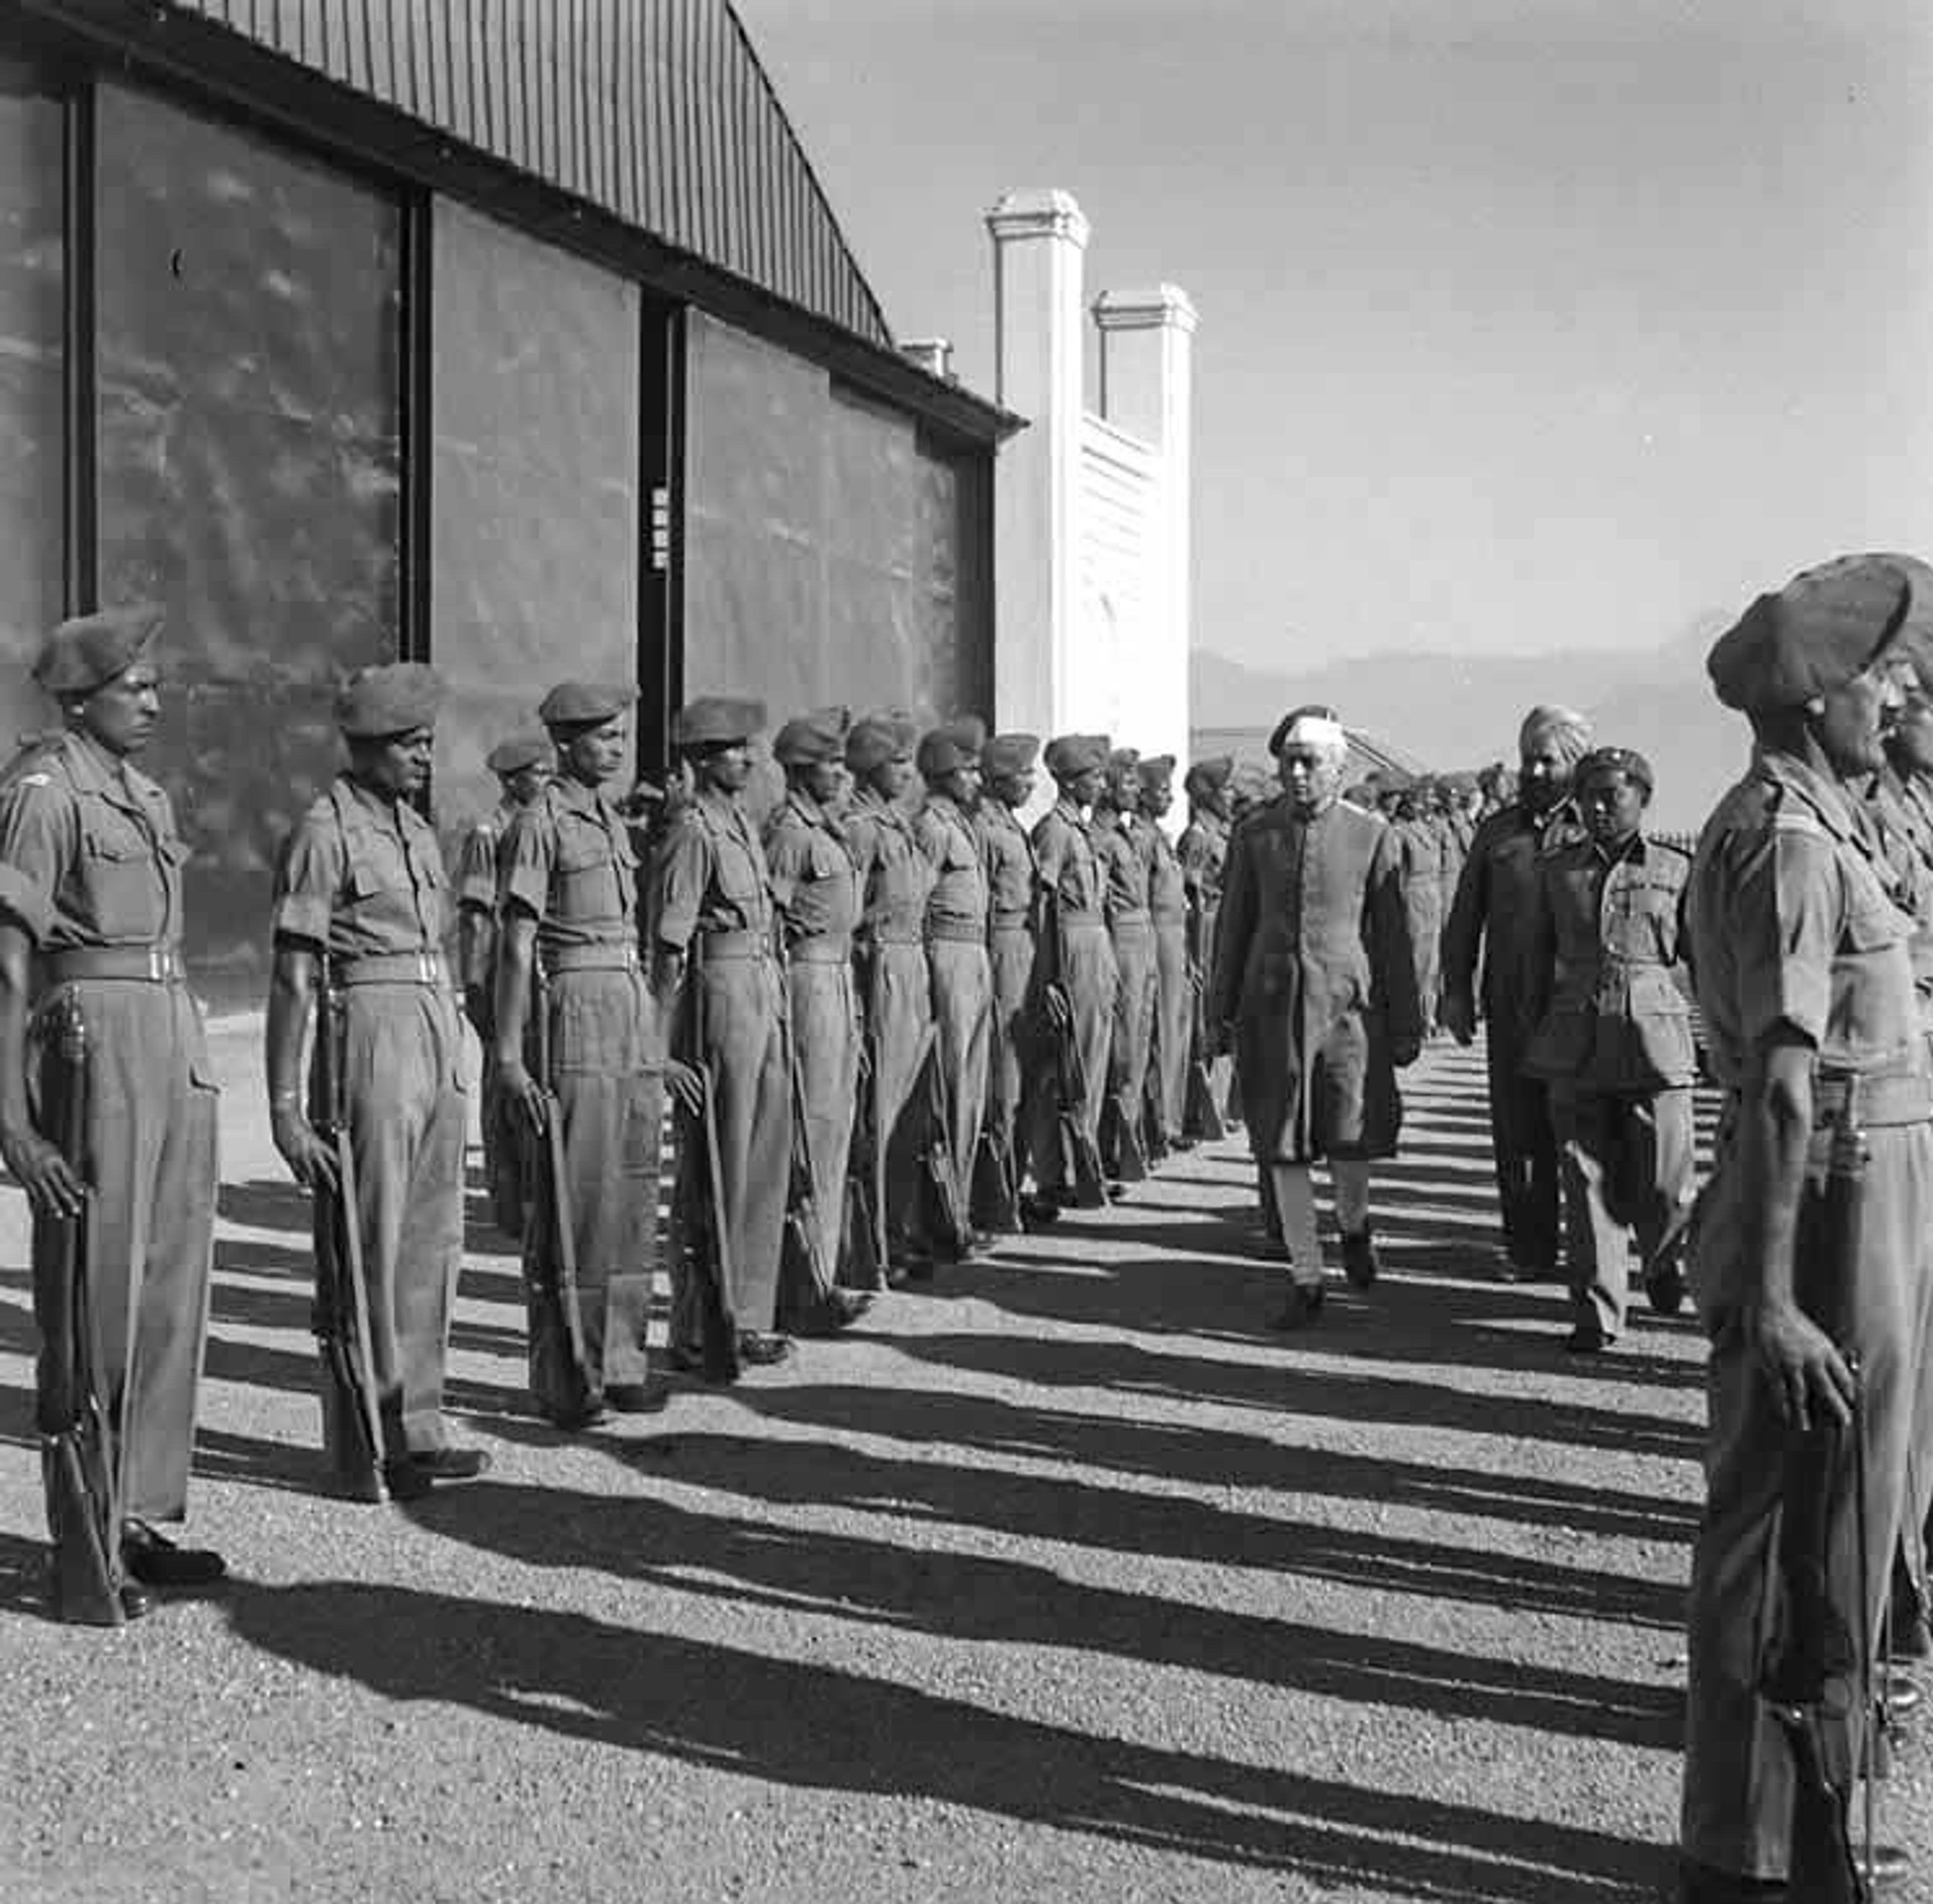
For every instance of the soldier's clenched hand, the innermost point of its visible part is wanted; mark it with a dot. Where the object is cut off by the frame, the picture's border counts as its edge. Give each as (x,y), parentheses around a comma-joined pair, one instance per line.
(1802,1370)
(49,1179)
(1059,1013)
(686,1085)
(311,1161)
(520,1088)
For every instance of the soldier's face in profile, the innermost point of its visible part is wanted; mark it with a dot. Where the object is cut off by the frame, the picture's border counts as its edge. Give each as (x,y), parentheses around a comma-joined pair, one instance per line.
(397,764)
(1311,778)
(1087,788)
(962,786)
(826,780)
(1157,796)
(1012,789)
(727,766)
(523,785)
(891,778)
(594,753)
(1852,722)
(1910,743)
(121,714)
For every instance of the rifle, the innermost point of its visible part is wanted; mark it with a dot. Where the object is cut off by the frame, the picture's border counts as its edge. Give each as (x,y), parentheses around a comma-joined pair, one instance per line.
(866,1252)
(1199,1118)
(805,1277)
(352,1417)
(702,1185)
(993,1199)
(550,1232)
(1817,1678)
(951,1227)
(79,1480)
(1082,1154)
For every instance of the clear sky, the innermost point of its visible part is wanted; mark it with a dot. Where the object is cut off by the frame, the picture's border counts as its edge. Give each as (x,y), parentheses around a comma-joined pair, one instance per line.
(1526,324)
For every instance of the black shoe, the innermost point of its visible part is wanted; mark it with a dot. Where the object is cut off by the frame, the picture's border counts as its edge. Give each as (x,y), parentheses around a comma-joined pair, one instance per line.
(1587,1339)
(636,1398)
(572,1421)
(451,1464)
(1039,1212)
(1664,1290)
(839,1310)
(1360,1261)
(1117,1189)
(686,1361)
(758,1350)
(404,1480)
(1304,1304)
(135,1602)
(156,1561)
(1700,1884)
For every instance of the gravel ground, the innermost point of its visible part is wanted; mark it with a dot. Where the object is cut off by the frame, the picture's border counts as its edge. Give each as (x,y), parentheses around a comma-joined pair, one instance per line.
(1066,1580)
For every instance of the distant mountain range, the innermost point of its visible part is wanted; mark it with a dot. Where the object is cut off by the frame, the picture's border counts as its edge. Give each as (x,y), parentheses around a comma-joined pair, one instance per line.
(1451,710)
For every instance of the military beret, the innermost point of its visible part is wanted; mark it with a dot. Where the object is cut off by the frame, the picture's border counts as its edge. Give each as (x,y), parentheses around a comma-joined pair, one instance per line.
(808,740)
(877,739)
(1157,770)
(1009,753)
(397,697)
(1825,626)
(1627,760)
(717,720)
(1070,755)
(519,751)
(952,745)
(1209,776)
(86,652)
(585,703)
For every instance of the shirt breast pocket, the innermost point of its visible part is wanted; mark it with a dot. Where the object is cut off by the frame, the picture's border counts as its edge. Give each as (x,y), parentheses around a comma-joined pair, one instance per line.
(583,876)
(123,883)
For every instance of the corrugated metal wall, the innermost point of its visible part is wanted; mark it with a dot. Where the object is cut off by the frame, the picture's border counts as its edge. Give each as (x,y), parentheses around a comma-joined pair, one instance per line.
(656,111)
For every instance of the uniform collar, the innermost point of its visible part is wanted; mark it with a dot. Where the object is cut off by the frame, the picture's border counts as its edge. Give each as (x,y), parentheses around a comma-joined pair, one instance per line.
(574,794)
(397,813)
(93,770)
(1636,850)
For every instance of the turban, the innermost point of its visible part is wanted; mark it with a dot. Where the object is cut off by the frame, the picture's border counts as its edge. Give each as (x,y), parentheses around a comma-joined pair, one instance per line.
(717,720)
(86,652)
(878,739)
(519,751)
(1824,627)
(1157,770)
(1009,753)
(1070,755)
(1320,728)
(1122,760)
(1566,730)
(951,746)
(583,703)
(1208,775)
(1626,761)
(396,698)
(810,740)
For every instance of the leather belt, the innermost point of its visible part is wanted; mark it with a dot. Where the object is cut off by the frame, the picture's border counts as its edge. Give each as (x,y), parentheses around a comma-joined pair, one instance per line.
(1889,1098)
(1018,922)
(735,943)
(151,964)
(1071,915)
(616,957)
(897,935)
(822,949)
(391,968)
(1130,925)
(956,932)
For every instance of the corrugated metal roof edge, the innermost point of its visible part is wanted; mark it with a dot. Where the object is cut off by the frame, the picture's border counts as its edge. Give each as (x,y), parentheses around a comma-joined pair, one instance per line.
(209,62)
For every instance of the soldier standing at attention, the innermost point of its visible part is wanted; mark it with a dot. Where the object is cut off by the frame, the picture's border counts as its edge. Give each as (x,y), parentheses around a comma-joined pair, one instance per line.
(568,888)
(957,909)
(1314,975)
(1203,850)
(91,913)
(361,884)
(1116,829)
(1805,982)
(1607,1027)
(1007,853)
(1173,996)
(1488,915)
(895,993)
(1421,845)
(721,998)
(815,888)
(522,765)
(1076,973)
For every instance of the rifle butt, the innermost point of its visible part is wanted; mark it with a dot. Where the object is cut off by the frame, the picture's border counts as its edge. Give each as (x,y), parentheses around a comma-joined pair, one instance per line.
(84,1560)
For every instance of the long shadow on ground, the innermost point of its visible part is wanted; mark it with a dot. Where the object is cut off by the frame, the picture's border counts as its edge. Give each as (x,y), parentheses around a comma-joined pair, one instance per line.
(816,1727)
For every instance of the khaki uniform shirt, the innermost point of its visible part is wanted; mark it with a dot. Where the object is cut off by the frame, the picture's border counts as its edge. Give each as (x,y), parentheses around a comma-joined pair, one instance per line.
(361,877)
(1122,850)
(957,907)
(815,884)
(1006,856)
(895,872)
(568,861)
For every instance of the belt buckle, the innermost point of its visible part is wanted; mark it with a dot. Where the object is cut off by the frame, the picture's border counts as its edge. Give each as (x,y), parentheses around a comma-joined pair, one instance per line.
(156,964)
(426,971)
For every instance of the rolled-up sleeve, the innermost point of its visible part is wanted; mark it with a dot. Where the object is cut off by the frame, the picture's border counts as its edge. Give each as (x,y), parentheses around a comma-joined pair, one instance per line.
(39,833)
(476,869)
(306,881)
(679,878)
(1785,915)
(523,862)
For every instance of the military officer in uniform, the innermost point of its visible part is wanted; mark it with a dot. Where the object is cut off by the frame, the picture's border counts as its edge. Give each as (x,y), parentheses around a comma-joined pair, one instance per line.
(1203,850)
(1808,1259)
(957,960)
(91,922)
(1488,916)
(721,998)
(361,885)
(816,889)
(1173,1012)
(1007,853)
(1076,974)
(1608,1029)
(568,887)
(1314,975)
(895,992)
(1420,843)
(522,764)
(1116,828)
